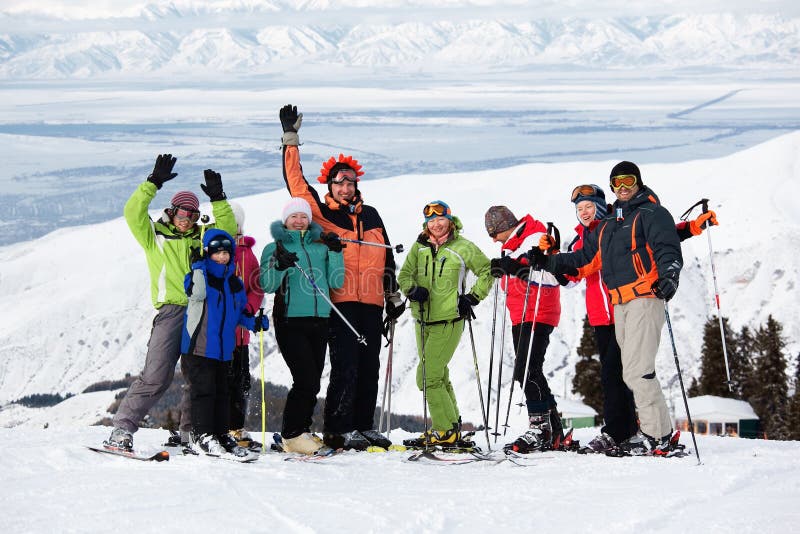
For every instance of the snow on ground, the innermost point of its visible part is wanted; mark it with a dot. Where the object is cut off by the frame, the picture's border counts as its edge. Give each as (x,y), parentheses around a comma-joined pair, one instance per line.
(53,483)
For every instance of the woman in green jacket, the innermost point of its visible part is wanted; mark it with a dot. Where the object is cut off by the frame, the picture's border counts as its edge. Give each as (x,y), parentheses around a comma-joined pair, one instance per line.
(433,277)
(300,313)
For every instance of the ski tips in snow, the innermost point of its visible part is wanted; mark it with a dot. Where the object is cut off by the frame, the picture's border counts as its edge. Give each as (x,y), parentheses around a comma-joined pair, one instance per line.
(160,456)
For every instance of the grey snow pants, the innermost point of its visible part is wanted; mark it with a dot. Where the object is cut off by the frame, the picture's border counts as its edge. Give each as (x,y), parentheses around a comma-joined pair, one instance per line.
(638,329)
(163,351)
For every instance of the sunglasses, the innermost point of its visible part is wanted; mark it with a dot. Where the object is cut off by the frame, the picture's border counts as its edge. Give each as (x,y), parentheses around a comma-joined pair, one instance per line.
(216,245)
(435,209)
(623,180)
(584,191)
(183,214)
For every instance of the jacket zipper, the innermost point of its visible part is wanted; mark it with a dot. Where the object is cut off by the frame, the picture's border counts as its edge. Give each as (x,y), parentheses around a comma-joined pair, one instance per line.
(310,274)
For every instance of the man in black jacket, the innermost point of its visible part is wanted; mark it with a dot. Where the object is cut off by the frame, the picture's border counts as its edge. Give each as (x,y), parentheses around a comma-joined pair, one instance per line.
(639,252)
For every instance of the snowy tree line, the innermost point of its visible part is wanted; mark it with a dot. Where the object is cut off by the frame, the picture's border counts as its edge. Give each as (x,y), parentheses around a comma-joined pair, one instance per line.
(757,362)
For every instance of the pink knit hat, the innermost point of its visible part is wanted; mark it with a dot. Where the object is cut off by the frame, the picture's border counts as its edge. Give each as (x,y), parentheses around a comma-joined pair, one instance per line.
(187,200)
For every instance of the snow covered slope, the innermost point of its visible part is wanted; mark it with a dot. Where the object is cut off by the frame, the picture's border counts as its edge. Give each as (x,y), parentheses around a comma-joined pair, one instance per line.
(75,308)
(55,484)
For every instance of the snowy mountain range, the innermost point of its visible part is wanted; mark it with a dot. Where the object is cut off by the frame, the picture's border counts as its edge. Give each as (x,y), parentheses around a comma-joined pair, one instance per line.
(229,41)
(75,308)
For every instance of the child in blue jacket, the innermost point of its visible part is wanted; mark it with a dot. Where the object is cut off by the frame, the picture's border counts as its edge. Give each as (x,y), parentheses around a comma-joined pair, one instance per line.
(217,305)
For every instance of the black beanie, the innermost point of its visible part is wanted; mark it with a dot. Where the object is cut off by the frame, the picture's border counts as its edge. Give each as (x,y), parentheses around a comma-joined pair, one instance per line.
(626,167)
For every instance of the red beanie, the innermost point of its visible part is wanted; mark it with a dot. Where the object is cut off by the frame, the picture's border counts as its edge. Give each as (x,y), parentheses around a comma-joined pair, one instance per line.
(186,199)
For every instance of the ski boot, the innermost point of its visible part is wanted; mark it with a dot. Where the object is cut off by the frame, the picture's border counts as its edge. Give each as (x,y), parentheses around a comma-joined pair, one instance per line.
(120,439)
(231,446)
(538,437)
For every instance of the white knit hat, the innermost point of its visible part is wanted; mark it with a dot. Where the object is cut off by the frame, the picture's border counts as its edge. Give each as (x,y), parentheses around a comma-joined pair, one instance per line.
(296,205)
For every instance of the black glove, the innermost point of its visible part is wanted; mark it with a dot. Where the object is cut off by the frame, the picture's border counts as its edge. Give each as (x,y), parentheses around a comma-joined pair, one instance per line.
(418,294)
(394,306)
(666,286)
(465,304)
(213,185)
(284,259)
(262,322)
(290,119)
(537,258)
(332,241)
(290,122)
(162,171)
(506,266)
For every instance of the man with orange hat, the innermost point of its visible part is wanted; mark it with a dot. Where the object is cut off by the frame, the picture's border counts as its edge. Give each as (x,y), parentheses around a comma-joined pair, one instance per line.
(169,243)
(370,284)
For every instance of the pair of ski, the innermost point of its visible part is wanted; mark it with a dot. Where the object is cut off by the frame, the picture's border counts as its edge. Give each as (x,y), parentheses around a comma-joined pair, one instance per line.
(675,450)
(462,458)
(160,456)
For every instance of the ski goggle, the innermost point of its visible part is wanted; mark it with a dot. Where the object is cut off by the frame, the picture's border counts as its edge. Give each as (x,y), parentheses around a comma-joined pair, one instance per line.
(584,191)
(435,209)
(216,245)
(343,177)
(623,180)
(183,214)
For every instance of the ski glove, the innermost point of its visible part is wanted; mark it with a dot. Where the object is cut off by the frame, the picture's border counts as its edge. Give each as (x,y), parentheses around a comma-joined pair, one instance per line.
(507,266)
(538,259)
(283,258)
(332,241)
(394,306)
(162,171)
(262,322)
(666,286)
(547,242)
(213,185)
(418,294)
(290,122)
(702,222)
(465,304)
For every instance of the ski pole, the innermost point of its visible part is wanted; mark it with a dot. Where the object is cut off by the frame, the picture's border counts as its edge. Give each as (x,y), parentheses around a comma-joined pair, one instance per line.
(425,435)
(496,433)
(680,379)
(263,397)
(387,385)
(204,219)
(359,337)
(707,226)
(550,228)
(478,380)
(491,356)
(391,370)
(397,248)
(519,339)
(730,382)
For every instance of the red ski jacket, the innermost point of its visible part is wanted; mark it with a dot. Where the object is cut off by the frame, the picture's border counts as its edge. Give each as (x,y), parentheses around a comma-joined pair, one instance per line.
(525,236)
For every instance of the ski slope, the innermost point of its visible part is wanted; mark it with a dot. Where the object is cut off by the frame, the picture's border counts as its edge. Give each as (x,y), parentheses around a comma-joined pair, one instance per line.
(54,484)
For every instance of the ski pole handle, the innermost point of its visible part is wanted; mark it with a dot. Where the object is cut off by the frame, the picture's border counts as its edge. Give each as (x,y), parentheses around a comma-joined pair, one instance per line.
(552,230)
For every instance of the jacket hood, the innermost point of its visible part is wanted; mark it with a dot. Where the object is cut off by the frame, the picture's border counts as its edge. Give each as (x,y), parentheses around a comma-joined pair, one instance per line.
(213,233)
(246,241)
(280,233)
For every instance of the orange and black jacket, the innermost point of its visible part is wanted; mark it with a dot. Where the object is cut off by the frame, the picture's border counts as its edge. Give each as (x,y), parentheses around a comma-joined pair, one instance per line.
(369,271)
(633,248)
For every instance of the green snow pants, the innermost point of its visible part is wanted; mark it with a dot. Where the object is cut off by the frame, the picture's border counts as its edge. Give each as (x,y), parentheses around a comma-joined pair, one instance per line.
(439,346)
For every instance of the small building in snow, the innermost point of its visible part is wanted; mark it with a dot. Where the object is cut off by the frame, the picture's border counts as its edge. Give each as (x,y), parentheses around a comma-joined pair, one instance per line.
(718,416)
(575,414)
